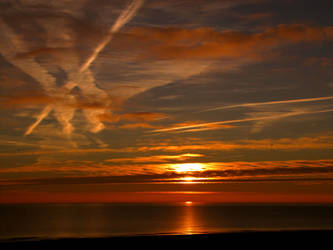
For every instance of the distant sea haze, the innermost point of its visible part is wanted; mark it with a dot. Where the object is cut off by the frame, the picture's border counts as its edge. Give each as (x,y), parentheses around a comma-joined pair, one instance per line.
(107,220)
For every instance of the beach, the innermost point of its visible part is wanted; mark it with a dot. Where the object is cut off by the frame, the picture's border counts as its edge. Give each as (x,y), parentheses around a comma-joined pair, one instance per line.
(241,239)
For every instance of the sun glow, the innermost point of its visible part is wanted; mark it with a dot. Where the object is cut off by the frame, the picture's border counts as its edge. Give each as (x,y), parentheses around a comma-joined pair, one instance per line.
(188,167)
(190,179)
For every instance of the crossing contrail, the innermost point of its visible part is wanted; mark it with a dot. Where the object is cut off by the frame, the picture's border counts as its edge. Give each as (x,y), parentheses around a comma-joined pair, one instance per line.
(14,45)
(124,18)
(40,117)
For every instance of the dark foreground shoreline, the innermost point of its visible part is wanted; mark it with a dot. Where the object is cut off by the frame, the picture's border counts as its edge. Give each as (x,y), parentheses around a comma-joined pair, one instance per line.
(316,238)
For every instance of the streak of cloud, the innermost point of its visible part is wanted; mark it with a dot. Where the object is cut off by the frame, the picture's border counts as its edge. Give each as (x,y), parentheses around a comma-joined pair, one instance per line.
(124,18)
(40,117)
(155,158)
(263,118)
(253,104)
(209,124)
(11,46)
(14,45)
(261,171)
(85,81)
(323,142)
(210,43)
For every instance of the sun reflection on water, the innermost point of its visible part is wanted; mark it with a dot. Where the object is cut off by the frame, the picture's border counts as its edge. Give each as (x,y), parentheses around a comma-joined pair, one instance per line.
(191,221)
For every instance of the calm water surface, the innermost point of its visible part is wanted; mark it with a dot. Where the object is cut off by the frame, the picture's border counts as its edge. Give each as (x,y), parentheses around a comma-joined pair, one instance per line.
(100,220)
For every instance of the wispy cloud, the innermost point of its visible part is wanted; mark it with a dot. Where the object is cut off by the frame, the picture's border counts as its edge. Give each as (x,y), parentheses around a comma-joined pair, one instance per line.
(254,104)
(137,116)
(279,115)
(86,81)
(124,18)
(155,158)
(78,76)
(301,143)
(132,120)
(195,126)
(262,171)
(293,144)
(209,43)
(136,126)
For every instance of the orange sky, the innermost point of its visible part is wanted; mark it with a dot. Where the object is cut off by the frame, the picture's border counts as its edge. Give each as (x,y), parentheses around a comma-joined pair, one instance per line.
(166,101)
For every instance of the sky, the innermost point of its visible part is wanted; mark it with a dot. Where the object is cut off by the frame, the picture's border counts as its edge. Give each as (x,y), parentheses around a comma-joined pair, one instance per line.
(166,101)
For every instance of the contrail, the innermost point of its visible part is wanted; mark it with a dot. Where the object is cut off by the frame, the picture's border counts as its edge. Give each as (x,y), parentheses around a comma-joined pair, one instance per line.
(271,117)
(124,18)
(13,46)
(269,103)
(40,117)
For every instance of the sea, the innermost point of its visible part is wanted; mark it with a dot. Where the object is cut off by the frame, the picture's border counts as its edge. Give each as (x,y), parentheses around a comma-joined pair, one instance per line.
(53,221)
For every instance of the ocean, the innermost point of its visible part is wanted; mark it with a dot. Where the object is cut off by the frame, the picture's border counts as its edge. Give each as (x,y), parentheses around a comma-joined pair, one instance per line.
(107,220)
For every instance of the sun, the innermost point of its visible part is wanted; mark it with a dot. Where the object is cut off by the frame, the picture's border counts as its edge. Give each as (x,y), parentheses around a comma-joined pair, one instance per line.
(188,167)
(188,203)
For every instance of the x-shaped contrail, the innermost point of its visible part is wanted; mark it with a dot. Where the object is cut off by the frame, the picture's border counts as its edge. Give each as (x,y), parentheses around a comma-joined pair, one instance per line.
(82,78)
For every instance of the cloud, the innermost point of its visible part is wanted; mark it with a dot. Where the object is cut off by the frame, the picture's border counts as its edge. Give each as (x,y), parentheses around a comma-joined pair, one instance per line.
(137,120)
(265,171)
(321,61)
(124,18)
(143,116)
(254,104)
(8,83)
(15,50)
(189,9)
(323,142)
(55,52)
(195,126)
(155,158)
(38,98)
(262,119)
(273,169)
(136,126)
(301,143)
(26,99)
(13,44)
(210,43)
(256,16)
(138,116)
